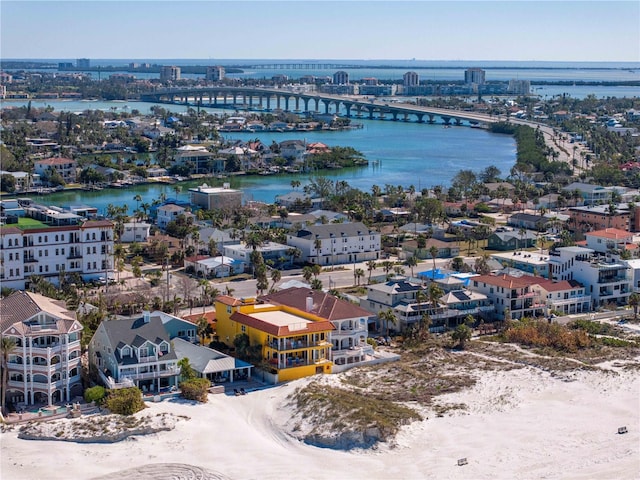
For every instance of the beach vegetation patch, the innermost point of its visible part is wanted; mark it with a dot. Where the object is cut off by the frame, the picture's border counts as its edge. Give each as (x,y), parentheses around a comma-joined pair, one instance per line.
(95,394)
(195,389)
(125,401)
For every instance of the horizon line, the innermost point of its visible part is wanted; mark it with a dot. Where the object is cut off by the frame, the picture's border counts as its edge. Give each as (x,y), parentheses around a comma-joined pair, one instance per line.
(411,60)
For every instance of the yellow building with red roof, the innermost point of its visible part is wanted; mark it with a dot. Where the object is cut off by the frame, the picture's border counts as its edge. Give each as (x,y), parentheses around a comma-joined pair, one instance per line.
(294,343)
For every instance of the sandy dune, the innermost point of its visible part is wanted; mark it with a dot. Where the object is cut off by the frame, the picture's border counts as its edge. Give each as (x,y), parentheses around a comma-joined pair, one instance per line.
(524,423)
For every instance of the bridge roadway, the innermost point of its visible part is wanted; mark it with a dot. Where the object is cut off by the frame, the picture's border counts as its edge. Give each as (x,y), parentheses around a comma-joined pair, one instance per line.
(373,108)
(572,154)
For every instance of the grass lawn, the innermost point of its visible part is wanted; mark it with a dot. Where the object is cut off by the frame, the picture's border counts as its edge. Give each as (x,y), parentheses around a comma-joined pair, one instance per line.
(26,222)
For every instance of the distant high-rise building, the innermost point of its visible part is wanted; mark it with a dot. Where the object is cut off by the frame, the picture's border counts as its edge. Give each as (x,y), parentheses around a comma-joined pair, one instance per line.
(65,66)
(370,81)
(215,74)
(310,79)
(474,75)
(341,78)
(83,63)
(410,79)
(519,87)
(280,78)
(169,73)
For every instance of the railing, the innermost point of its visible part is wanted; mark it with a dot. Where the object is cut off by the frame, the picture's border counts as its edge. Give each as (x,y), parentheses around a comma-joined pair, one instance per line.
(565,301)
(297,345)
(622,278)
(291,363)
(155,374)
(148,359)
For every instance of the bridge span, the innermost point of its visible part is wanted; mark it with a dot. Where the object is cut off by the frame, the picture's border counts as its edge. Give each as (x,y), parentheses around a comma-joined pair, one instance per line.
(266,99)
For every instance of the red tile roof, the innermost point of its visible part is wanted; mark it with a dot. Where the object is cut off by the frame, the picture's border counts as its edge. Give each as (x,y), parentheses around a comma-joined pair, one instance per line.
(210,316)
(507,281)
(280,331)
(55,161)
(324,305)
(612,233)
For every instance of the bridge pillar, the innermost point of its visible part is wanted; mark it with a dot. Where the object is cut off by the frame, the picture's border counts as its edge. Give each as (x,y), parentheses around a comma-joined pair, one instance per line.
(297,104)
(235,98)
(306,104)
(406,117)
(347,107)
(420,117)
(446,120)
(278,102)
(458,121)
(395,116)
(326,106)
(268,102)
(432,118)
(286,103)
(224,98)
(370,113)
(317,104)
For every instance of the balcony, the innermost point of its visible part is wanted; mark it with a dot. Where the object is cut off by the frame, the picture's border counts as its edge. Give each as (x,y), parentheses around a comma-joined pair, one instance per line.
(616,279)
(570,300)
(297,362)
(30,260)
(73,254)
(297,345)
(169,372)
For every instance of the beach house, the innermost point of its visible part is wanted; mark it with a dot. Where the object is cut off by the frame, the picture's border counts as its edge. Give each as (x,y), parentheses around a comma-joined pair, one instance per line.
(336,243)
(293,343)
(349,338)
(134,352)
(44,366)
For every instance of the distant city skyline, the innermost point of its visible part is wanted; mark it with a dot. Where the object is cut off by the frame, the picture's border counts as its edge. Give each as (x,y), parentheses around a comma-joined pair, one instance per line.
(364,30)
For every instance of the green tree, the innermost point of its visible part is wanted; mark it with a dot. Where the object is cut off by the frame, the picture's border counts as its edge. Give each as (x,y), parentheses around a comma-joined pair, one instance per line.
(125,401)
(461,334)
(411,262)
(95,394)
(634,301)
(7,344)
(195,389)
(387,316)
(433,251)
(203,329)
(186,370)
(371,266)
(276,275)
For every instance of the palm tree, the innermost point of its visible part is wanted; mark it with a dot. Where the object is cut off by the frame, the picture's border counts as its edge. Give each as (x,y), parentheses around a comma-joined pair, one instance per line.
(203,328)
(388,317)
(433,251)
(371,266)
(7,344)
(317,244)
(434,293)
(276,275)
(177,189)
(522,232)
(411,262)
(634,301)
(137,198)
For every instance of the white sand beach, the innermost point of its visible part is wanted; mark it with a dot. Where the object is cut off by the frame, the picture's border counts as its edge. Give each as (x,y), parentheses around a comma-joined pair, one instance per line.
(525,423)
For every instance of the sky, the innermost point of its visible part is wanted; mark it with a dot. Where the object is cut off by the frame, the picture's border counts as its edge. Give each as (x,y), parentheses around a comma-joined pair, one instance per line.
(317,29)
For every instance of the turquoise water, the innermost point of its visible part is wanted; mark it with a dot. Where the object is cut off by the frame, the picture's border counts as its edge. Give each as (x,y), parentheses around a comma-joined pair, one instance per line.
(399,153)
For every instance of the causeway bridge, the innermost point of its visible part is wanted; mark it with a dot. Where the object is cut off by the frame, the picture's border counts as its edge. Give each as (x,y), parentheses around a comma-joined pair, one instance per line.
(269,99)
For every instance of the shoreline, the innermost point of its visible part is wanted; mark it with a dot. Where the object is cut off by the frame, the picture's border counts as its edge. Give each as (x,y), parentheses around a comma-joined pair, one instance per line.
(523,423)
